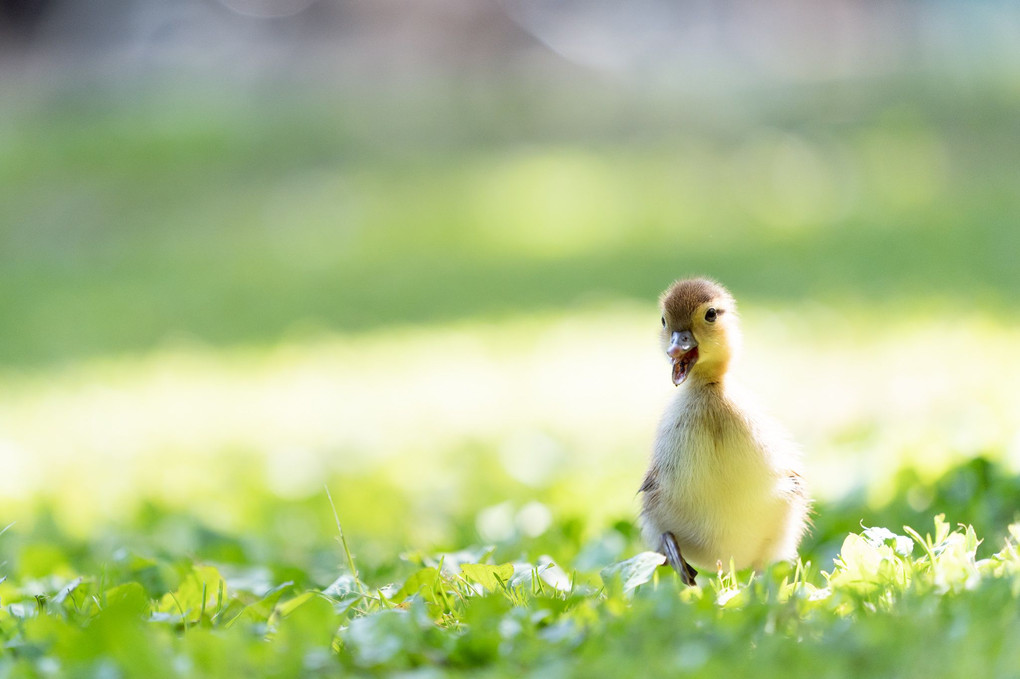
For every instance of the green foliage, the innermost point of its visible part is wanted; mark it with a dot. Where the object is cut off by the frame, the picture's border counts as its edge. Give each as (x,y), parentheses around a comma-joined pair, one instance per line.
(128,226)
(895,602)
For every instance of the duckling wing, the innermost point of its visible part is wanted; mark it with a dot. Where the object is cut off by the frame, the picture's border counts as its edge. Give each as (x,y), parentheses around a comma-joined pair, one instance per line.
(650,483)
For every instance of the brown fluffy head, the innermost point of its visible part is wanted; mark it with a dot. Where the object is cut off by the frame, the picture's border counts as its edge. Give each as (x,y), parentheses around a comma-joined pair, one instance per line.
(707,310)
(682,299)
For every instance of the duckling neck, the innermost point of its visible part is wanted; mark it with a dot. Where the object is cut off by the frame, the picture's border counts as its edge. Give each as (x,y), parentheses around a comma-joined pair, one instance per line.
(712,375)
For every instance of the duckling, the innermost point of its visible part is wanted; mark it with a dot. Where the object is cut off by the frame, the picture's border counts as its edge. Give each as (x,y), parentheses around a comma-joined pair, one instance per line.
(723,485)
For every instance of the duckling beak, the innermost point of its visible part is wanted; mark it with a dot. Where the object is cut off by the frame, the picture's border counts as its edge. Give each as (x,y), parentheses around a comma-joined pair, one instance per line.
(683,352)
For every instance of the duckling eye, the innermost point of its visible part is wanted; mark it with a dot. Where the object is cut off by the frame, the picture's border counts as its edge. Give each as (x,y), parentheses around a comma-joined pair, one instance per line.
(664,321)
(711,315)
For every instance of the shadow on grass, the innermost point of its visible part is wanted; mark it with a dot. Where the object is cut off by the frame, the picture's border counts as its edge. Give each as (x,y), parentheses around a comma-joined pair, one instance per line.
(230,298)
(126,229)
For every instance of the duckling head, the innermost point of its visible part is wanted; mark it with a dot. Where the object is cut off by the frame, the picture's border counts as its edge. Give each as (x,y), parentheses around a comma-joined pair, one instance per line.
(700,329)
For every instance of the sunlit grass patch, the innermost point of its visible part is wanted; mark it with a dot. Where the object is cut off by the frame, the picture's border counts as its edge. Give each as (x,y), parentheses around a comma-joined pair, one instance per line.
(562,407)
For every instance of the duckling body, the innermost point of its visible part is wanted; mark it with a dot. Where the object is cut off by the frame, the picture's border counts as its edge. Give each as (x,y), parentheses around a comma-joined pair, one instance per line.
(724,482)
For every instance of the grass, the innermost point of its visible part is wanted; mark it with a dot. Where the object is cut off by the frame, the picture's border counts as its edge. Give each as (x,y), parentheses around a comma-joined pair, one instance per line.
(211,310)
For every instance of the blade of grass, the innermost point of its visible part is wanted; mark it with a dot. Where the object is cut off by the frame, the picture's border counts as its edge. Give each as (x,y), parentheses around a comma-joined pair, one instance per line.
(343,542)
(923,542)
(184,617)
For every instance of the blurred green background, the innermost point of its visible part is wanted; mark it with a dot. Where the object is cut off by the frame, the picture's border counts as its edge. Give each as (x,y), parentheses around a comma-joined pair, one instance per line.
(412,253)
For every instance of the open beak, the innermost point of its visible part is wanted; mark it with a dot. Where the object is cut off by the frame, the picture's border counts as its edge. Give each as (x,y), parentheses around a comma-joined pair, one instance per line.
(683,352)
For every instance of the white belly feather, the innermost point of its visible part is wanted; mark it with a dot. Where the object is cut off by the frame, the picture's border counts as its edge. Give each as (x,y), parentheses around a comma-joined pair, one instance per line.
(725,484)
